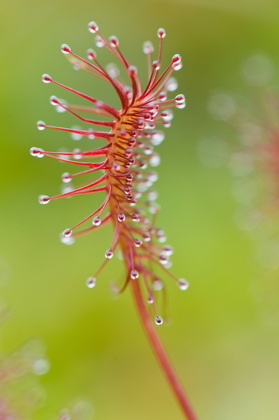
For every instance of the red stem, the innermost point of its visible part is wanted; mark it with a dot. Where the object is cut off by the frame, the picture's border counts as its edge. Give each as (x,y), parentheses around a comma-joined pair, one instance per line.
(160,352)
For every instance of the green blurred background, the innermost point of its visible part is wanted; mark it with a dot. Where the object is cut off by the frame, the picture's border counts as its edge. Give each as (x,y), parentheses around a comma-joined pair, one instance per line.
(223,340)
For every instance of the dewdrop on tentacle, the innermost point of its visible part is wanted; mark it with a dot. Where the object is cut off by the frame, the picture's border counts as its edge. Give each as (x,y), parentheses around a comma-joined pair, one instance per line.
(66,177)
(96,221)
(157,285)
(65,49)
(36,151)
(183,284)
(134,274)
(91,54)
(91,282)
(158,320)
(41,125)
(93,27)
(46,78)
(109,254)
(44,199)
(67,232)
(119,168)
(121,217)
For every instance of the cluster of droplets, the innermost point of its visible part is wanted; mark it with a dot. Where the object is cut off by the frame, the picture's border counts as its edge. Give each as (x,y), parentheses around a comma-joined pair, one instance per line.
(126,161)
(20,392)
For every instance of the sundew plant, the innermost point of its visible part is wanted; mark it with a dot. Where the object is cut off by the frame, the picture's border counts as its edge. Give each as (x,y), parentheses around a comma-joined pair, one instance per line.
(125,164)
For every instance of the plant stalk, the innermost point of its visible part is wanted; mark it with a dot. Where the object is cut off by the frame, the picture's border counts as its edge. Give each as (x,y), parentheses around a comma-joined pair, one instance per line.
(160,352)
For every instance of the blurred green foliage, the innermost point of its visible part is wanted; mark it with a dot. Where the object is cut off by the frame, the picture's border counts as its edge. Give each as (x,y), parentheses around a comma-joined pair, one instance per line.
(221,340)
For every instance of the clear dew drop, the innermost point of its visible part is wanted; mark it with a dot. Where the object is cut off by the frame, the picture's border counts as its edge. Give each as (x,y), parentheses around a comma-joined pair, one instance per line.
(76,66)
(162,96)
(167,115)
(167,124)
(154,160)
(93,27)
(161,33)
(67,189)
(114,42)
(171,84)
(54,100)
(179,98)
(183,284)
(121,217)
(258,70)
(112,70)
(152,176)
(63,154)
(136,217)
(44,199)
(148,47)
(133,202)
(66,177)
(177,66)
(67,232)
(146,237)
(160,232)
(91,282)
(114,289)
(40,366)
(176,59)
(96,221)
(154,209)
(132,70)
(76,136)
(157,138)
(139,175)
(61,107)
(222,106)
(150,298)
(69,240)
(163,259)
(41,125)
(116,166)
(128,91)
(77,154)
(109,254)
(137,243)
(181,106)
(46,78)
(134,274)
(65,49)
(147,150)
(91,134)
(36,151)
(167,250)
(142,164)
(158,320)
(99,42)
(91,54)
(152,195)
(157,285)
